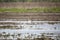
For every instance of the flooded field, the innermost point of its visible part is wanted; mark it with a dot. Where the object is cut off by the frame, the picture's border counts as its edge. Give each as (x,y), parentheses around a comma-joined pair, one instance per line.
(17,23)
(29,26)
(30,30)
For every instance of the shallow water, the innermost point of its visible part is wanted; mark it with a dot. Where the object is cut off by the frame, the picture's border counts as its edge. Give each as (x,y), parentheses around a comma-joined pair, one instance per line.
(35,27)
(44,27)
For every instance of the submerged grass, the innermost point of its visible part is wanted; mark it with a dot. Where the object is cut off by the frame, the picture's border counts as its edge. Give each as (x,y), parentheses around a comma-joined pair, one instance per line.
(53,9)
